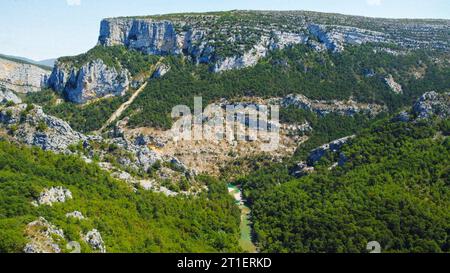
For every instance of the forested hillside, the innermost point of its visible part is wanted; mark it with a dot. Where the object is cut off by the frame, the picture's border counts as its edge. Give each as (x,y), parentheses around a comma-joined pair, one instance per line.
(128,221)
(357,73)
(298,70)
(394,189)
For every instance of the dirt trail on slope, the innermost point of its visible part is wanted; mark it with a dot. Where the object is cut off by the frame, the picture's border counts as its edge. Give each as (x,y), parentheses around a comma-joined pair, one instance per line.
(123,107)
(127,104)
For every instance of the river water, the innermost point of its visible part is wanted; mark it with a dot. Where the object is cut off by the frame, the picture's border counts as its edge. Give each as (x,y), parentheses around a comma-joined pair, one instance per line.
(245,240)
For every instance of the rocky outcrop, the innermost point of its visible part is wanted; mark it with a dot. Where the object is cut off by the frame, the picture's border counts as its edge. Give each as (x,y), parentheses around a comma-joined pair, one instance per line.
(76,215)
(94,239)
(393,85)
(432,104)
(143,156)
(33,127)
(298,128)
(317,154)
(91,81)
(279,40)
(335,38)
(276,41)
(22,77)
(162,70)
(156,37)
(9,96)
(305,168)
(301,169)
(53,195)
(146,35)
(249,58)
(348,108)
(43,237)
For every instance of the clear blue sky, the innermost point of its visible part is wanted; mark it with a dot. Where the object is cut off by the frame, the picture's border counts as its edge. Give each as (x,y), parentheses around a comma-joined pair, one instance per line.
(41,29)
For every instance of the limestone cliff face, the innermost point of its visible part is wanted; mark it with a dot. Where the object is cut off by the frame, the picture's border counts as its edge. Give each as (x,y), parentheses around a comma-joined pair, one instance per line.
(22,77)
(201,42)
(93,80)
(335,38)
(151,37)
(155,37)
(166,38)
(8,96)
(232,40)
(322,107)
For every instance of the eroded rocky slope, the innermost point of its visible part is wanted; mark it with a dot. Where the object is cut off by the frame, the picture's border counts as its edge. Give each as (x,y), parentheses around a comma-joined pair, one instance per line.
(124,158)
(22,77)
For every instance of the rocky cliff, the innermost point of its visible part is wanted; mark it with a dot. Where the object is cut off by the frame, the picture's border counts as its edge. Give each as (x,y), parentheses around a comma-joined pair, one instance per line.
(322,107)
(335,38)
(8,96)
(149,36)
(22,77)
(432,104)
(92,80)
(238,39)
(227,41)
(30,125)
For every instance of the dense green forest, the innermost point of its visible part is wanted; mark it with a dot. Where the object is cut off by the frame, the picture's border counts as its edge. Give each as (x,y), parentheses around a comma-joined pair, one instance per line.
(128,221)
(317,75)
(394,189)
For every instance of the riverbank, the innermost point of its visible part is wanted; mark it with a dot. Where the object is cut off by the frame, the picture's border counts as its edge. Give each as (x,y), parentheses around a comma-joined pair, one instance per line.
(245,241)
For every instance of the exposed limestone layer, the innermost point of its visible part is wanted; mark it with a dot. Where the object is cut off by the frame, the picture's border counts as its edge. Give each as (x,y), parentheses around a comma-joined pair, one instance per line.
(347,108)
(393,85)
(94,239)
(334,146)
(30,125)
(93,80)
(335,38)
(240,39)
(9,96)
(54,195)
(432,104)
(162,38)
(43,237)
(21,77)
